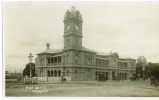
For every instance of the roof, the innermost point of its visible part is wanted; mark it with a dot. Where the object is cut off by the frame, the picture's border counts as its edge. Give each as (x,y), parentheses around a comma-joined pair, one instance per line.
(127,58)
(112,54)
(103,54)
(51,51)
(89,50)
(54,51)
(73,13)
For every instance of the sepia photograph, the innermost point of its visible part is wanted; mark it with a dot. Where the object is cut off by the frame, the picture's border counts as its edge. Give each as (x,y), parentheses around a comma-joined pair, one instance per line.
(80,49)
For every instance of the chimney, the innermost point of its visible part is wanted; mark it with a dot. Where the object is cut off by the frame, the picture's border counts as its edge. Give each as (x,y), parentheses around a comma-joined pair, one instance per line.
(47,46)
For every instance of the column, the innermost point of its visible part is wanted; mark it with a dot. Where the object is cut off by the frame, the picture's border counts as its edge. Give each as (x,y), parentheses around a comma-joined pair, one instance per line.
(45,61)
(57,59)
(110,75)
(53,60)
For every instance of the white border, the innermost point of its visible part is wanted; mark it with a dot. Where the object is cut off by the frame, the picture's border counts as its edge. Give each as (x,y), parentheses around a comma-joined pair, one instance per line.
(2,83)
(83,0)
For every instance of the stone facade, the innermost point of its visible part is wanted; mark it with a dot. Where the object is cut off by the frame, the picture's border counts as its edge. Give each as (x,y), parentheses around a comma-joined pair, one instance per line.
(77,63)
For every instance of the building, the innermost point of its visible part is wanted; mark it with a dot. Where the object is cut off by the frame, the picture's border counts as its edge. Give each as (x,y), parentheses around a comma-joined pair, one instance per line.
(77,63)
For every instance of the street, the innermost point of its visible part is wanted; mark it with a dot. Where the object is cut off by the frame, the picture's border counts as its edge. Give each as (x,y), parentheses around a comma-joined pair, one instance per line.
(85,89)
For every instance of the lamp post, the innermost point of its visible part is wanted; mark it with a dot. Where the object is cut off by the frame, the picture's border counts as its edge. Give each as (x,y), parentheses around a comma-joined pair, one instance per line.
(30,61)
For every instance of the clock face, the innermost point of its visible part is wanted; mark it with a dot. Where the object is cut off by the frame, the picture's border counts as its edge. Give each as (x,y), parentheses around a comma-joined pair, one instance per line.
(76,27)
(67,28)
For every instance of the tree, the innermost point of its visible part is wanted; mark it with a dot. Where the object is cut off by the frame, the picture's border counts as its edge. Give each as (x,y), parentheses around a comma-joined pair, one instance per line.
(140,67)
(139,71)
(29,70)
(154,70)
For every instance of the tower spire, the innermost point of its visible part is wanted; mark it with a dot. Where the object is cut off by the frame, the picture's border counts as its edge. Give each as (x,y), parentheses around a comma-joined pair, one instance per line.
(30,57)
(73,9)
(73,29)
(47,46)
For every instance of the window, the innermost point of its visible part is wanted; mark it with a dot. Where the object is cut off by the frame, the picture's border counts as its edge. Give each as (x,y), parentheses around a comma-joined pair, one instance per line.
(89,60)
(132,64)
(59,59)
(77,58)
(106,62)
(68,73)
(55,60)
(52,60)
(59,73)
(48,73)
(55,73)
(48,60)
(52,73)
(122,64)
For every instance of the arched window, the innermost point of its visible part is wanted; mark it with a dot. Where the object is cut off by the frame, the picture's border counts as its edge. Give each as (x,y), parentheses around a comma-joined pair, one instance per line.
(55,73)
(48,73)
(48,60)
(52,73)
(55,60)
(59,59)
(59,73)
(52,60)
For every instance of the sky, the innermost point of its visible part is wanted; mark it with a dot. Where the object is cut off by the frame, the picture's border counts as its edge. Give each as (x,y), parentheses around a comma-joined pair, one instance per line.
(128,28)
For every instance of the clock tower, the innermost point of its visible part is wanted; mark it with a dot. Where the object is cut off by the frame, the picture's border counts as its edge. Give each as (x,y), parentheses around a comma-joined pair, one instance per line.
(72,29)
